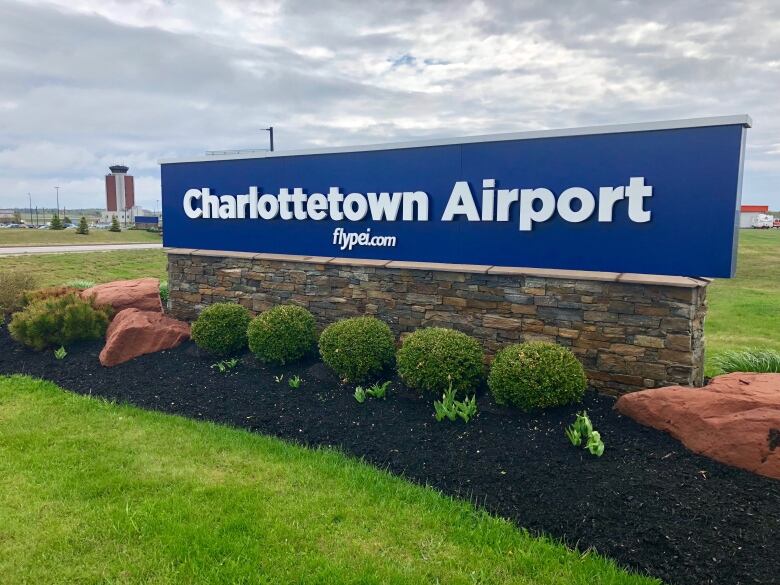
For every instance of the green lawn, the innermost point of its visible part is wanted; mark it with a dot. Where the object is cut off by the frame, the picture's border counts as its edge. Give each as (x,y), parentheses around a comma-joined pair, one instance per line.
(28,237)
(54,269)
(745,311)
(93,492)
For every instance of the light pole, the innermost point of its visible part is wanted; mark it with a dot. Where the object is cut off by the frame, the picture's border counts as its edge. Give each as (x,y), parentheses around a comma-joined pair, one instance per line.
(30,198)
(270,131)
(58,201)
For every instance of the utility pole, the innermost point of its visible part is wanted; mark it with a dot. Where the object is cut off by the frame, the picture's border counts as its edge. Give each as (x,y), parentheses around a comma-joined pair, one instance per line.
(30,198)
(58,200)
(270,131)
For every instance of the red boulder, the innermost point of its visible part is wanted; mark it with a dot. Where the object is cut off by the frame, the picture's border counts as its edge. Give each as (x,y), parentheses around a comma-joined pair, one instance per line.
(134,332)
(141,293)
(734,420)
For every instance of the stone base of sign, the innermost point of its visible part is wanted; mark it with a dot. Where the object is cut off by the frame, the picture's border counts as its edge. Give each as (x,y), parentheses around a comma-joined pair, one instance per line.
(630,331)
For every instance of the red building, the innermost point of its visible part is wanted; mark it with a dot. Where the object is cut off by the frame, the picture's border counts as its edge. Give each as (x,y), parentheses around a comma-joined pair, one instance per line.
(754,209)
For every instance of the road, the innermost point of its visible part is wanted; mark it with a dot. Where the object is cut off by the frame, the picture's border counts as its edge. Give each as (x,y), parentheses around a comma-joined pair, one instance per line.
(22,250)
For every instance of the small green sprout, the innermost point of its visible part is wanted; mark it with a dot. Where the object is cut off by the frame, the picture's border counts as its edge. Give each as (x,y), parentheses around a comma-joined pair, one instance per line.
(378,390)
(278,379)
(360,394)
(453,409)
(595,445)
(294,382)
(60,353)
(574,436)
(224,366)
(467,409)
(375,391)
(582,430)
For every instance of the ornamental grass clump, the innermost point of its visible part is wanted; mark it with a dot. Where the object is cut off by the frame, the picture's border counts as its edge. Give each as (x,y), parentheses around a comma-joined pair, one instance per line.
(49,292)
(59,320)
(220,329)
(762,361)
(433,358)
(13,284)
(357,348)
(282,334)
(79,283)
(536,375)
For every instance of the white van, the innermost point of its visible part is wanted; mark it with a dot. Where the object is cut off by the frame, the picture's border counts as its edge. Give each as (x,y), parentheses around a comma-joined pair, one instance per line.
(762,221)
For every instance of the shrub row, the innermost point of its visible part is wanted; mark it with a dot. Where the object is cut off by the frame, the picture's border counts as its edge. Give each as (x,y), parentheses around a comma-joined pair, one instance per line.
(280,335)
(434,359)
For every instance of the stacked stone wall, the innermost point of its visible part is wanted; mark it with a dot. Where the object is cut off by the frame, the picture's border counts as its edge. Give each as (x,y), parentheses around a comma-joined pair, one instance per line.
(629,331)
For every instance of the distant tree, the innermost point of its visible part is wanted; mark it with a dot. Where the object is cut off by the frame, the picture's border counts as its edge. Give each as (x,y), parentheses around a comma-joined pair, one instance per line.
(56,223)
(83,226)
(17,217)
(114,225)
(66,219)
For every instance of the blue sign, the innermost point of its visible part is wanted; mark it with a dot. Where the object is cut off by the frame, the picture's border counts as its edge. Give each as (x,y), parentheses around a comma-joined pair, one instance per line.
(658,198)
(150,219)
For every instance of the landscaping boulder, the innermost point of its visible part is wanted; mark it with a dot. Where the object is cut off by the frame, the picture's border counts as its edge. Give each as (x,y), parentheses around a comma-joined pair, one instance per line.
(734,420)
(141,293)
(134,332)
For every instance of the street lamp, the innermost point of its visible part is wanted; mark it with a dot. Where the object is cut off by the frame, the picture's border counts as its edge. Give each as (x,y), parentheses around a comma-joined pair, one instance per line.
(58,201)
(270,131)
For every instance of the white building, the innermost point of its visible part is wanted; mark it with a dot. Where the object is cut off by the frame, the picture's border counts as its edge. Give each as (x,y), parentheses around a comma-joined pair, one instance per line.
(747,213)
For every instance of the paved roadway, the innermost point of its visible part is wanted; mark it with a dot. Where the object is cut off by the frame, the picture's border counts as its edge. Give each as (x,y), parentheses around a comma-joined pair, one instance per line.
(21,250)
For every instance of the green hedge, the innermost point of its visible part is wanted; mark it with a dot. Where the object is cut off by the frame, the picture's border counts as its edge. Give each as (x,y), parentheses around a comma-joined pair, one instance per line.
(431,358)
(282,334)
(357,348)
(536,375)
(220,329)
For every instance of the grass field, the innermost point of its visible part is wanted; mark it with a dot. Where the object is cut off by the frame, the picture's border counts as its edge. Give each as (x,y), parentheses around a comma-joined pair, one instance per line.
(92,492)
(27,237)
(54,269)
(745,311)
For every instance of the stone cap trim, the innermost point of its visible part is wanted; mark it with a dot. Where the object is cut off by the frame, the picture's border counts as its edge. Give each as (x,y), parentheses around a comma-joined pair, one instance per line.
(621,277)
(441,267)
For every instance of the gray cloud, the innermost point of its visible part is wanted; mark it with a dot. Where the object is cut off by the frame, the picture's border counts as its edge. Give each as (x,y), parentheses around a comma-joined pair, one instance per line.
(86,83)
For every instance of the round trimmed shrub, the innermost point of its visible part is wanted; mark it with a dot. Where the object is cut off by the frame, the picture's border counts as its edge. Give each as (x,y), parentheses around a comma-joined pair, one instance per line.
(536,375)
(282,334)
(357,348)
(431,358)
(220,329)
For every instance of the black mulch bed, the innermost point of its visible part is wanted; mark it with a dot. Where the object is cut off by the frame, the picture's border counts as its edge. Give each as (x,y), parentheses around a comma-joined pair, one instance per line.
(647,502)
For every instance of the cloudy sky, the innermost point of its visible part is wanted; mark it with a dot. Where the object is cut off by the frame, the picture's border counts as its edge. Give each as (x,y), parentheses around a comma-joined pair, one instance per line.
(86,83)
